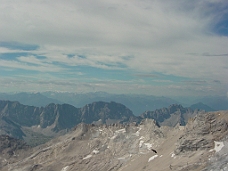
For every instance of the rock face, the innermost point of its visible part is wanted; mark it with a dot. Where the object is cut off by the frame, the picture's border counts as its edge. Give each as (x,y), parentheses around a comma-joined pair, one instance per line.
(10,146)
(55,118)
(126,147)
(106,111)
(14,115)
(171,116)
(200,145)
(201,132)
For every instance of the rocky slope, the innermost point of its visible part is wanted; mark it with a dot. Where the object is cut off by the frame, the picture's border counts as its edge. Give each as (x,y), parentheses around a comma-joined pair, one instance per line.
(200,145)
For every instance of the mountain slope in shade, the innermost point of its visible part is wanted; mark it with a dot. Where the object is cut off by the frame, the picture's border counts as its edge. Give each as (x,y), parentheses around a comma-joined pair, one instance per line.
(17,119)
(201,106)
(171,116)
(56,117)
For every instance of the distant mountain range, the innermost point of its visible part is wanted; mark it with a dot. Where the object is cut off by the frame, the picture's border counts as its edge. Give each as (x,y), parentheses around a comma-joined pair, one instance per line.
(201,106)
(216,102)
(23,121)
(137,103)
(32,99)
(171,116)
(14,116)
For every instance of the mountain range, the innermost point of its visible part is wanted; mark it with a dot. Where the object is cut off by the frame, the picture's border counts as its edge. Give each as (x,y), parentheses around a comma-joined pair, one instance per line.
(29,122)
(137,103)
(200,145)
(56,117)
(108,136)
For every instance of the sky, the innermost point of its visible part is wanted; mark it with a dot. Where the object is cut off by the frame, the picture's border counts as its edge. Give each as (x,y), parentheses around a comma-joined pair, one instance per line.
(155,47)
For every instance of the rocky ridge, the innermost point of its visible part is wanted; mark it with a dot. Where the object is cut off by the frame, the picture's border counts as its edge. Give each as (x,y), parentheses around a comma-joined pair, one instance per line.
(171,116)
(17,119)
(22,121)
(133,146)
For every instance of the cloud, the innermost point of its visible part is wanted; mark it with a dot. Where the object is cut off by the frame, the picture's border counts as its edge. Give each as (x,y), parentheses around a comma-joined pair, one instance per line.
(217,81)
(18,46)
(186,39)
(146,75)
(29,63)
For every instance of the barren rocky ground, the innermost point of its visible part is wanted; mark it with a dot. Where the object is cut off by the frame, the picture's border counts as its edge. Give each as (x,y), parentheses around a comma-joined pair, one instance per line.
(200,145)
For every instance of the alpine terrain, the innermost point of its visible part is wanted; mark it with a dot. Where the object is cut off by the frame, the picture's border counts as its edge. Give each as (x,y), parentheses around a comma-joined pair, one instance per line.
(138,144)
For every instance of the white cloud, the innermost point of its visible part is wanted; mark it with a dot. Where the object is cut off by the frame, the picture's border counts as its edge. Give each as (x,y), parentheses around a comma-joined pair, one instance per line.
(25,64)
(163,36)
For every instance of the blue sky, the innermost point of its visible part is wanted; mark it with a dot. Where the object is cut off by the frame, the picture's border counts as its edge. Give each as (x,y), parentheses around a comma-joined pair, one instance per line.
(157,47)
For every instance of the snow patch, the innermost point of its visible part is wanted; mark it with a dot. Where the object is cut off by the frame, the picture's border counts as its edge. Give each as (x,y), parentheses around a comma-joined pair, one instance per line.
(137,133)
(120,131)
(152,158)
(65,168)
(117,132)
(218,146)
(95,151)
(148,145)
(173,155)
(87,157)
(161,155)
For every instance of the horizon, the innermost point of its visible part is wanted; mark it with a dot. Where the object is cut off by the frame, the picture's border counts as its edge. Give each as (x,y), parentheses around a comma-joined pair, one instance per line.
(159,48)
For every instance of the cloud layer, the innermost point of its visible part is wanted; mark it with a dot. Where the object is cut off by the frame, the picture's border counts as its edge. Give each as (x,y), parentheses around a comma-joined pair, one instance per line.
(178,42)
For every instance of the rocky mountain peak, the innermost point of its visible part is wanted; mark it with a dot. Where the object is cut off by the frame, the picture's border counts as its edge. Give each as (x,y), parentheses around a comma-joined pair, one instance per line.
(199,145)
(55,118)
(171,116)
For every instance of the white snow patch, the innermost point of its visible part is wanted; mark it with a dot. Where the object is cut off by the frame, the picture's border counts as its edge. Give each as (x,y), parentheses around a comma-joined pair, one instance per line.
(152,158)
(117,132)
(87,157)
(173,155)
(148,145)
(65,168)
(218,146)
(137,133)
(120,131)
(95,151)
(161,155)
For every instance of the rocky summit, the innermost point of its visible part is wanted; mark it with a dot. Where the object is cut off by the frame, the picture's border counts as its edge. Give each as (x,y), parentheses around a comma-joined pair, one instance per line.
(171,116)
(28,122)
(200,145)
(20,121)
